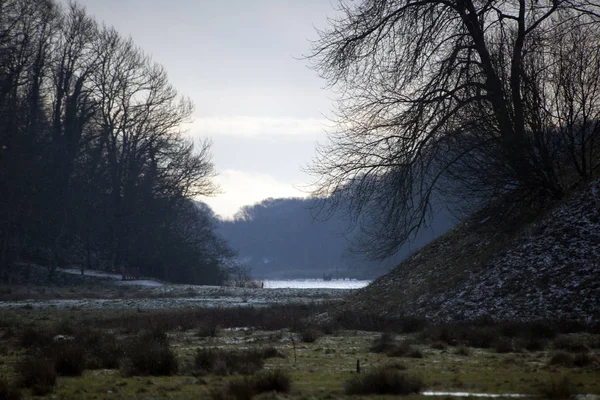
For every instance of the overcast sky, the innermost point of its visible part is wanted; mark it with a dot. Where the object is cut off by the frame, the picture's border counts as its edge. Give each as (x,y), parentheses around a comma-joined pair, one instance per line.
(238,60)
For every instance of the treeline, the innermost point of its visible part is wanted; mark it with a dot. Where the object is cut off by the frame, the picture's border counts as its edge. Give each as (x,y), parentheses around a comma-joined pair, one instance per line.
(285,238)
(93,166)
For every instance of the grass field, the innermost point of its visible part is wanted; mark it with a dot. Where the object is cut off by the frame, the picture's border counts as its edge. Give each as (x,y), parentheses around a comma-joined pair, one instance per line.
(274,353)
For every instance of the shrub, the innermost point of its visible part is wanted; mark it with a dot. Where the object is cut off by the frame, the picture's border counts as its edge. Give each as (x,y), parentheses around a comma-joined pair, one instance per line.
(383,381)
(535,344)
(208,330)
(103,349)
(584,359)
(462,351)
(149,355)
(481,337)
(574,343)
(562,389)
(247,387)
(35,336)
(69,358)
(383,343)
(275,380)
(504,345)
(439,345)
(309,335)
(239,389)
(225,362)
(38,374)
(562,358)
(404,349)
(8,391)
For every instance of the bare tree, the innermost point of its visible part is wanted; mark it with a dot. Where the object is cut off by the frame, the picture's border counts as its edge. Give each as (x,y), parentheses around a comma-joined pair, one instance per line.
(435,94)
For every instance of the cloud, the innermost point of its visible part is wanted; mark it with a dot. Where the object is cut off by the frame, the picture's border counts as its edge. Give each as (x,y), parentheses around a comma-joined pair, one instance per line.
(258,126)
(242,188)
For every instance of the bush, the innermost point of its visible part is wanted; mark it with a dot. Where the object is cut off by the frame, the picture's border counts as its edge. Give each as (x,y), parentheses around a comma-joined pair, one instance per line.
(584,359)
(8,391)
(439,345)
(310,335)
(103,349)
(149,355)
(383,343)
(238,389)
(383,381)
(562,389)
(462,351)
(38,374)
(35,337)
(404,349)
(275,380)
(504,345)
(69,359)
(208,330)
(247,387)
(226,362)
(562,358)
(573,343)
(535,344)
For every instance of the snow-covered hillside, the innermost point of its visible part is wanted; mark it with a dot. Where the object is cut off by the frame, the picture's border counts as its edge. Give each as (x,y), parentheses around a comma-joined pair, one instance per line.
(549,269)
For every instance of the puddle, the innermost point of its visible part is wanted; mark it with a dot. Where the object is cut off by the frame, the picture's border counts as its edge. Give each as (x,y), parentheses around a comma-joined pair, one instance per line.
(487,395)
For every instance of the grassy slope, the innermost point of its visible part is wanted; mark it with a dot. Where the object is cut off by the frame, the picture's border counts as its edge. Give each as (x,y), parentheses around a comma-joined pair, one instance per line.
(548,269)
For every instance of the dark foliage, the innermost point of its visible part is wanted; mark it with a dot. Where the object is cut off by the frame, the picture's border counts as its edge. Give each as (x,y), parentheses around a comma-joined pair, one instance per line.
(9,391)
(226,362)
(276,380)
(573,343)
(562,389)
(383,381)
(310,335)
(94,169)
(37,373)
(404,349)
(505,345)
(249,386)
(36,336)
(148,354)
(275,317)
(70,359)
(384,343)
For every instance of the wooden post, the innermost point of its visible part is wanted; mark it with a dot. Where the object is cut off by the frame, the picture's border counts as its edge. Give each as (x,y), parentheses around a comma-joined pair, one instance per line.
(358,366)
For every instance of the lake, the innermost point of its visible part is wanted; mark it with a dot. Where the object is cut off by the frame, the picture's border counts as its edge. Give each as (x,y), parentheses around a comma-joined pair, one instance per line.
(316,284)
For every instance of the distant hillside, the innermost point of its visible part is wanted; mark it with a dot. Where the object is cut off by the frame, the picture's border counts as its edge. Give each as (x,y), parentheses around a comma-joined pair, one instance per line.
(279,238)
(548,269)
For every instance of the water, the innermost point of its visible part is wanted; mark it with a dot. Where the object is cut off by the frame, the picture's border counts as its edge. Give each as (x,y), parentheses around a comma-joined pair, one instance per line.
(316,284)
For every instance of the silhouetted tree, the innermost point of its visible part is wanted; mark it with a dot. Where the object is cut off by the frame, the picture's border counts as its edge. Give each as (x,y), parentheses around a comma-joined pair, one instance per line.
(93,164)
(461,94)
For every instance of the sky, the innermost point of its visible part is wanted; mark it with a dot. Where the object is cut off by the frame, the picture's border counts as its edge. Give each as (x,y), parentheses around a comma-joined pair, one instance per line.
(241,62)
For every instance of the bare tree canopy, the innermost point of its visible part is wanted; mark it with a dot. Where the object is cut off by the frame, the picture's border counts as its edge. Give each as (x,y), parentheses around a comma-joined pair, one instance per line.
(94,165)
(484,98)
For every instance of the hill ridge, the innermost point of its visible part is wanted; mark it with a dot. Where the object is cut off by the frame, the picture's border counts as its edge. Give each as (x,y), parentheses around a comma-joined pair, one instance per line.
(548,269)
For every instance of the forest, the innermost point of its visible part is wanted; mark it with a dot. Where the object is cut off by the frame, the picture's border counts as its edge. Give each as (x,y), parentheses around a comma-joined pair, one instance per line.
(95,169)
(289,238)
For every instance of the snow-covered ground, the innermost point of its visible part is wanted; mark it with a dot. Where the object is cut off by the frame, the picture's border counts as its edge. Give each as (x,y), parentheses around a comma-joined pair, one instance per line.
(151,294)
(117,277)
(547,270)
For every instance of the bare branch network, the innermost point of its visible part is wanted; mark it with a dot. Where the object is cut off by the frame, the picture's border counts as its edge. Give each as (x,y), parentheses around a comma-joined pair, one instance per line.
(476,100)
